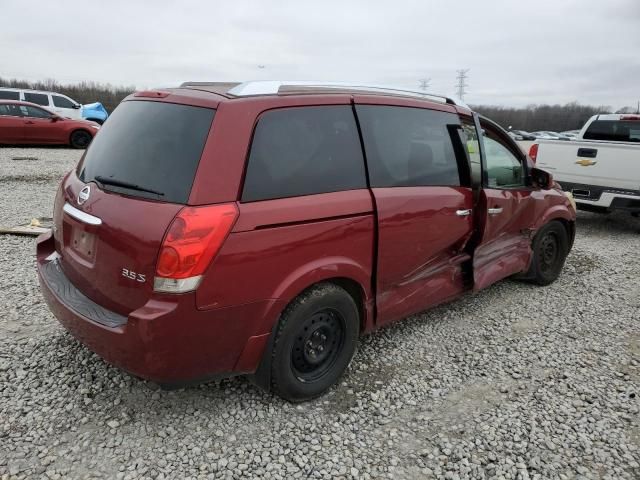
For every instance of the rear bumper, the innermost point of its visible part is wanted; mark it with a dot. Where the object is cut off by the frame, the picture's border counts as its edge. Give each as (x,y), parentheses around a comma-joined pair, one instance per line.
(167,340)
(611,201)
(595,197)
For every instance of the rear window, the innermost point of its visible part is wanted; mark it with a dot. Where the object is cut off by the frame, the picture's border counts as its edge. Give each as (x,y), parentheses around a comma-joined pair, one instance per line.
(614,131)
(37,98)
(156,146)
(10,110)
(9,95)
(408,147)
(304,151)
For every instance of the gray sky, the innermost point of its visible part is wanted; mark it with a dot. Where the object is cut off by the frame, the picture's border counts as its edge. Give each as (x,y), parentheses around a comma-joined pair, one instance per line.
(546,51)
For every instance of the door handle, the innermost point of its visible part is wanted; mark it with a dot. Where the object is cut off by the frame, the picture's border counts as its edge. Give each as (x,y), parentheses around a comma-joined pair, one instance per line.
(495,211)
(463,213)
(29,122)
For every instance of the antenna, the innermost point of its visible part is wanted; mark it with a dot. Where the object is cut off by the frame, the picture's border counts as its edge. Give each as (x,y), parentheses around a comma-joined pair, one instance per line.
(462,82)
(425,83)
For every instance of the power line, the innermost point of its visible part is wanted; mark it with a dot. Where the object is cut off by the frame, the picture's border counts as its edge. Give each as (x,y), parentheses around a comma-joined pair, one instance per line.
(425,83)
(462,82)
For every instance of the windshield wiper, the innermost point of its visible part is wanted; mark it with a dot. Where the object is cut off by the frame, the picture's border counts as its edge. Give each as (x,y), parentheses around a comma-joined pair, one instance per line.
(123,184)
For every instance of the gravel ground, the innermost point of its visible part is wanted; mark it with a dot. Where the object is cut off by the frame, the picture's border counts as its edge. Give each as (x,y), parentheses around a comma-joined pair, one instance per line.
(516,382)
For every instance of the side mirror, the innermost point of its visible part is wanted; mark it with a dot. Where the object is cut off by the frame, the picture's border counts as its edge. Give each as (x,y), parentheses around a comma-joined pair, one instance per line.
(55,118)
(541,178)
(77,106)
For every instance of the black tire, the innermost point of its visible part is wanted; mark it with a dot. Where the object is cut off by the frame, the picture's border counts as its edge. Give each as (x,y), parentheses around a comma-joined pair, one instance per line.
(550,249)
(315,340)
(80,139)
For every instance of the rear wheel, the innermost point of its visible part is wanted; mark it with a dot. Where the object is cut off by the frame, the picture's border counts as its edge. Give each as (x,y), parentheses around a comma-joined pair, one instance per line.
(550,248)
(80,139)
(315,340)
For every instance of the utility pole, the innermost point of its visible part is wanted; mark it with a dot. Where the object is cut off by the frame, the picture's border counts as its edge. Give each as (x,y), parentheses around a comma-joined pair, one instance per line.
(462,82)
(425,83)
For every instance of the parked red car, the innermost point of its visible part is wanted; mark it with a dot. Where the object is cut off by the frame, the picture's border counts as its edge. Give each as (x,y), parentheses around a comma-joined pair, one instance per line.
(25,123)
(261,230)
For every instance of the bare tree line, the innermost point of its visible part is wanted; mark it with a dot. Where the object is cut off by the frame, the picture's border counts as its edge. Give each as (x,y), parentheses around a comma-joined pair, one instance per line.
(531,118)
(83,92)
(558,118)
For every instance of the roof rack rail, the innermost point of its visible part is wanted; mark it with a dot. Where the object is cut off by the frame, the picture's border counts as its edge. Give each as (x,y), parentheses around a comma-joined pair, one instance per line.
(210,84)
(273,87)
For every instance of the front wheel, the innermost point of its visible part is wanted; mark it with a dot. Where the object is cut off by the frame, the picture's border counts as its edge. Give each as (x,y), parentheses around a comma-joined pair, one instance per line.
(80,139)
(550,248)
(315,340)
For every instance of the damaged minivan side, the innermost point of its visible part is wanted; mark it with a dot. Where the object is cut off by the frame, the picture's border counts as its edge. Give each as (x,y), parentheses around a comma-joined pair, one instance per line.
(260,228)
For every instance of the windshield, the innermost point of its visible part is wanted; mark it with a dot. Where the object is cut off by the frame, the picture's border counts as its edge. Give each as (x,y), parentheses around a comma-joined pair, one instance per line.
(149,149)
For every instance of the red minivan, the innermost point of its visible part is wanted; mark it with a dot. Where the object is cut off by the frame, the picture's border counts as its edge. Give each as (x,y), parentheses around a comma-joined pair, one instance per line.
(260,228)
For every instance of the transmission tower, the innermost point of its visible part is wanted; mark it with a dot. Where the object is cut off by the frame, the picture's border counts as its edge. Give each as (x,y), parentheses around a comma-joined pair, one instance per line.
(462,83)
(425,83)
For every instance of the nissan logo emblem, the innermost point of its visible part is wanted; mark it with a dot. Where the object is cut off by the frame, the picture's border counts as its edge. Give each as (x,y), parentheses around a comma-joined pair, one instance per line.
(83,196)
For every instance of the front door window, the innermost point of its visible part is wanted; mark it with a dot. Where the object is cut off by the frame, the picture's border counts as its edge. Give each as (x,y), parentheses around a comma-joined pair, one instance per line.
(503,168)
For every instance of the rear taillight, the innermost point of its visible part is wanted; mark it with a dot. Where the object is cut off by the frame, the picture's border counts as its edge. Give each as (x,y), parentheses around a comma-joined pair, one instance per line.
(533,152)
(192,241)
(630,117)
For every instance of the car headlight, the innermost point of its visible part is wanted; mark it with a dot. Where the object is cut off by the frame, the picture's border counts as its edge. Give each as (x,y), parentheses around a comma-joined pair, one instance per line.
(572,200)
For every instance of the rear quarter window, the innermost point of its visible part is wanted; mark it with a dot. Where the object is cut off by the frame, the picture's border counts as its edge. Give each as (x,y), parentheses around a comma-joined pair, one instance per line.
(304,151)
(408,146)
(37,98)
(9,95)
(10,110)
(154,145)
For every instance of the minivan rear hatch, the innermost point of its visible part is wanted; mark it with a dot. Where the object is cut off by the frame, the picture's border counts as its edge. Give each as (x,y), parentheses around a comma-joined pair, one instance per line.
(115,208)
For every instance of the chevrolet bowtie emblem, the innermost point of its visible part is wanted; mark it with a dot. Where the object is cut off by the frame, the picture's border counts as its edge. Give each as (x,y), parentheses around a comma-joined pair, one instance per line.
(585,163)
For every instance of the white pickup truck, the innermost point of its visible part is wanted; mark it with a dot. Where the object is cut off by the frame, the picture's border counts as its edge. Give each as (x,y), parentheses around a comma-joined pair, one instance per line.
(601,167)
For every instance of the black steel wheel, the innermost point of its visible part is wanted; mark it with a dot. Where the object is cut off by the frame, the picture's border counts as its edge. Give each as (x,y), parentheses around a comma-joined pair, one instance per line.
(80,139)
(314,342)
(550,249)
(316,348)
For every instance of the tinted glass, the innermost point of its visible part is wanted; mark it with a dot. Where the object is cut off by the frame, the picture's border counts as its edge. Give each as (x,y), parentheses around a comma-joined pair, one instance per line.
(10,110)
(303,151)
(504,169)
(9,95)
(154,145)
(34,112)
(408,146)
(37,98)
(614,130)
(62,102)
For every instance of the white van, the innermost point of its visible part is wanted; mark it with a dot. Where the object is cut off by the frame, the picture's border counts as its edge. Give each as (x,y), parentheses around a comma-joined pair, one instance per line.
(56,102)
